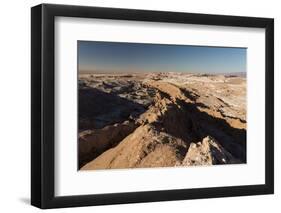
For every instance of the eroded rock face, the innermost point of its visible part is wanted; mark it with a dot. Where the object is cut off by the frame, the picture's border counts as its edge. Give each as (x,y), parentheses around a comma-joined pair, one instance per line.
(207,152)
(98,109)
(162,120)
(94,142)
(145,147)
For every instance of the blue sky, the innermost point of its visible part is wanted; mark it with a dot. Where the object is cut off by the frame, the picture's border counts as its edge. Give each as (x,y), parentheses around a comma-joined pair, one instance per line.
(116,56)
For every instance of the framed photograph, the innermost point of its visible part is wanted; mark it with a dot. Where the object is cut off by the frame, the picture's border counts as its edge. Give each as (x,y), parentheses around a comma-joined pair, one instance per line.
(139,106)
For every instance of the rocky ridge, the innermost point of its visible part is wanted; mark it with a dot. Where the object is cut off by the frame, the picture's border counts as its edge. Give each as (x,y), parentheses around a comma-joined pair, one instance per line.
(162,121)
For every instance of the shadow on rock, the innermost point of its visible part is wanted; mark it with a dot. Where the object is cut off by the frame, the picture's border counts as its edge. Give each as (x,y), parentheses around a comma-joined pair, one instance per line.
(98,109)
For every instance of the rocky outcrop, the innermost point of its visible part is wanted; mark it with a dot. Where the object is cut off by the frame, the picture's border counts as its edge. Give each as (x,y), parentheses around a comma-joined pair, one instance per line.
(207,152)
(94,142)
(145,147)
(179,126)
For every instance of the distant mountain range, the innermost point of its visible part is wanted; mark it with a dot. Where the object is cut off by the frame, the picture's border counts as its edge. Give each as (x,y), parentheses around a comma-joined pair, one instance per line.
(231,74)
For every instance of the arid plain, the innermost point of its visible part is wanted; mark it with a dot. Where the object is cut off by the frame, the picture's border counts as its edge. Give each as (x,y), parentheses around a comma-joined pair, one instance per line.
(142,120)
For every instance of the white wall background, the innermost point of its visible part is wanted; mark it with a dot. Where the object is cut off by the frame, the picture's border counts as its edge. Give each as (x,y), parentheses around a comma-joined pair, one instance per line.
(15,105)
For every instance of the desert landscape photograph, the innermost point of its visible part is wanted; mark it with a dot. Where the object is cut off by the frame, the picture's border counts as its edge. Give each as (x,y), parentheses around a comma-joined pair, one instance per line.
(144,105)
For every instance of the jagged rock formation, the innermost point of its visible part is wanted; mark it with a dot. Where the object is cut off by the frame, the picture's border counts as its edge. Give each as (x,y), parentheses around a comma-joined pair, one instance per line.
(145,147)
(162,120)
(94,142)
(207,152)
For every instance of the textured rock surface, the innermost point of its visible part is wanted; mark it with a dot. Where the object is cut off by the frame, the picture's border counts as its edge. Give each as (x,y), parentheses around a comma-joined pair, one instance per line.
(145,147)
(207,152)
(93,142)
(161,120)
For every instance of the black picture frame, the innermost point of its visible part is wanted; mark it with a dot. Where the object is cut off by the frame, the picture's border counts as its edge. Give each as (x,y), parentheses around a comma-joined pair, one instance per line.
(43,117)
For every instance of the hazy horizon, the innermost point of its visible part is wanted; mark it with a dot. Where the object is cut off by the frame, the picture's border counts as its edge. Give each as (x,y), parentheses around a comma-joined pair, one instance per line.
(106,57)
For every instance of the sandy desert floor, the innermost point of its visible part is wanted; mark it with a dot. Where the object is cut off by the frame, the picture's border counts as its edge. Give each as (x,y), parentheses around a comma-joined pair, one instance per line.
(142,120)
